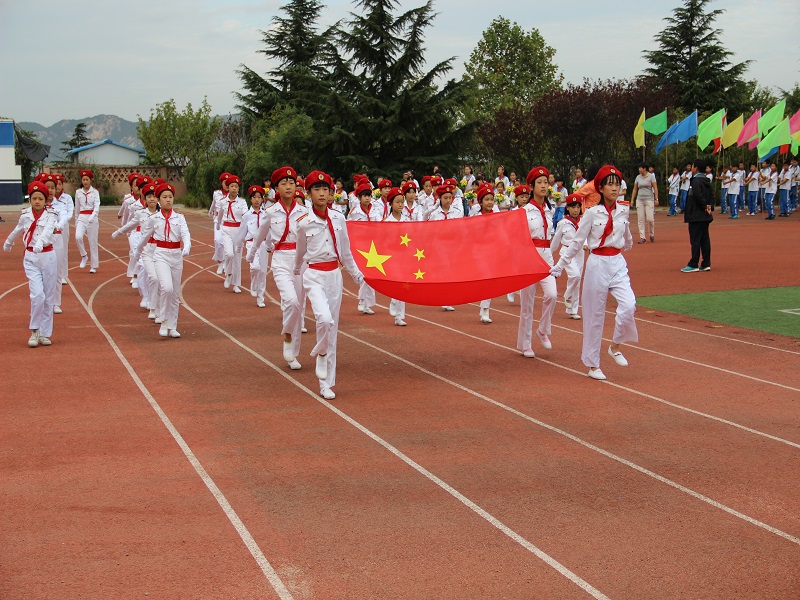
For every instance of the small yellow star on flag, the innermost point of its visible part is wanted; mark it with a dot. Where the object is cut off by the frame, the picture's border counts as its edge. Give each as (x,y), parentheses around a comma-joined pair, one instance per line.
(419,274)
(404,239)
(374,259)
(419,254)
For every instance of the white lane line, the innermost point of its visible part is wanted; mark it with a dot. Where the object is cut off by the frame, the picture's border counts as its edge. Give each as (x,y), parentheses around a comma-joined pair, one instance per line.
(612,384)
(241,529)
(549,560)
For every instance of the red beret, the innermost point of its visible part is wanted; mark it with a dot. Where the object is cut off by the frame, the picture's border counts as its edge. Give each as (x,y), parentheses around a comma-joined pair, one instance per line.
(234,179)
(299,194)
(382,183)
(436,180)
(159,181)
(253,189)
(450,181)
(38,186)
(39,176)
(408,185)
(427,178)
(132,177)
(318,178)
(283,173)
(58,177)
(224,176)
(87,173)
(363,188)
(47,177)
(300,182)
(393,193)
(483,190)
(143,180)
(574,199)
(164,187)
(604,172)
(445,189)
(147,187)
(521,190)
(535,173)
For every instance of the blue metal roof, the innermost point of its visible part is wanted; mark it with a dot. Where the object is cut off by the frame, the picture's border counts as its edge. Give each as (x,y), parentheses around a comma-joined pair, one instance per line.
(96,144)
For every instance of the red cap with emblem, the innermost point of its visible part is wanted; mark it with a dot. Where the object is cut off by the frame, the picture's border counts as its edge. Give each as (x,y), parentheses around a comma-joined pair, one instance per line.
(143,180)
(58,177)
(408,185)
(363,188)
(535,173)
(39,176)
(382,183)
(164,187)
(87,173)
(159,181)
(37,186)
(436,180)
(224,176)
(427,178)
(393,193)
(573,199)
(483,190)
(256,189)
(283,173)
(300,195)
(147,187)
(318,178)
(301,182)
(522,190)
(234,179)
(445,189)
(132,177)
(604,172)
(450,181)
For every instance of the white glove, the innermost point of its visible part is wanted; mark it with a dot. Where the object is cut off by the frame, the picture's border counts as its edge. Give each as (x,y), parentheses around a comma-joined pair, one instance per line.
(91,220)
(136,256)
(7,247)
(358,278)
(37,249)
(185,251)
(556,271)
(628,246)
(216,226)
(115,235)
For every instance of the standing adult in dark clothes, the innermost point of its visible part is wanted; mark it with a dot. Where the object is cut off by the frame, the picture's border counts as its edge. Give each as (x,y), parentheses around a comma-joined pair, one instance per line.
(698,215)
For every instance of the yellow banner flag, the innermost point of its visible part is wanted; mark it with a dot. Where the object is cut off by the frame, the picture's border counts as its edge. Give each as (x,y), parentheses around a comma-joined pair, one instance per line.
(732,131)
(638,133)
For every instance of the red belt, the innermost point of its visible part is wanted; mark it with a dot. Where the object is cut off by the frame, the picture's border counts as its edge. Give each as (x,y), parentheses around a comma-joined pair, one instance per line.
(326,266)
(152,240)
(286,246)
(139,228)
(231,224)
(45,249)
(86,212)
(605,251)
(170,245)
(58,231)
(541,243)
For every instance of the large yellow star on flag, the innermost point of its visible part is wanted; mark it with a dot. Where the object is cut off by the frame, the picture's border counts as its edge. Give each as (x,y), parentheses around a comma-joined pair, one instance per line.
(419,274)
(404,239)
(374,259)
(419,254)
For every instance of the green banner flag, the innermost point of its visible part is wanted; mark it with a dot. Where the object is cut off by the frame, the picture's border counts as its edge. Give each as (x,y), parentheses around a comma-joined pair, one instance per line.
(656,125)
(777,137)
(771,118)
(710,129)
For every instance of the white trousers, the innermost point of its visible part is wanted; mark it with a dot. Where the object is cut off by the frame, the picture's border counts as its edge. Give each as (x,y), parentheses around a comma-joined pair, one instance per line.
(133,242)
(324,290)
(63,265)
(90,230)
(645,213)
(41,270)
(149,273)
(219,249)
(58,248)
(604,275)
(258,271)
(366,295)
(168,263)
(290,288)
(574,271)
(399,308)
(527,299)
(232,255)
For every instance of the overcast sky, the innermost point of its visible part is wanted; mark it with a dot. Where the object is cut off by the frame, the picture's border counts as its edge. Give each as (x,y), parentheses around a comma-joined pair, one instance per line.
(78,58)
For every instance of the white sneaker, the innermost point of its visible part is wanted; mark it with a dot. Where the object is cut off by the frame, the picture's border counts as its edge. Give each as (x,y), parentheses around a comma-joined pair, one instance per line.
(399,322)
(568,302)
(159,320)
(303,330)
(254,293)
(173,333)
(227,283)
(44,341)
(448,308)
(368,311)
(132,280)
(33,341)
(294,365)
(577,317)
(287,352)
(597,374)
(322,367)
(485,316)
(152,315)
(92,270)
(163,331)
(618,357)
(360,306)
(237,289)
(84,260)
(545,340)
(135,284)
(143,303)
(219,269)
(529,354)
(327,393)
(260,304)
(64,280)
(510,298)
(57,310)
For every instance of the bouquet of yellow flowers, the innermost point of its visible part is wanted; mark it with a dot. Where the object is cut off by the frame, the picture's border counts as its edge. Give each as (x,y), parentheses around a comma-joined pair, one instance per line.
(376,193)
(549,190)
(498,197)
(470,196)
(463,183)
(557,196)
(337,197)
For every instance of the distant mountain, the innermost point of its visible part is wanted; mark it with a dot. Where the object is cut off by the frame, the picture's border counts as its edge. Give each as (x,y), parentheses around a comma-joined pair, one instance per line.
(98,128)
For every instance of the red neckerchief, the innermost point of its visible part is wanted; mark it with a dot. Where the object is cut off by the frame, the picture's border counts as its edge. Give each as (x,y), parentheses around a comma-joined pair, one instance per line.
(324,215)
(410,211)
(258,218)
(85,196)
(29,234)
(385,209)
(230,209)
(364,210)
(609,224)
(573,221)
(286,229)
(544,219)
(167,226)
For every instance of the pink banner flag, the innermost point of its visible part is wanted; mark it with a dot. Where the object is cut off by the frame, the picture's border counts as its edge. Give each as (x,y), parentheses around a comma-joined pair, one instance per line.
(794,122)
(754,143)
(749,130)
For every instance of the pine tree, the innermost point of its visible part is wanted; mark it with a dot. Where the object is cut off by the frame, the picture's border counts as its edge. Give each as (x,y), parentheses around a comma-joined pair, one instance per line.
(691,60)
(78,139)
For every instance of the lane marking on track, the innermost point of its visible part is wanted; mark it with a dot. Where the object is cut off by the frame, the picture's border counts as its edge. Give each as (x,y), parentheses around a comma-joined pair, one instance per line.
(612,384)
(549,560)
(245,535)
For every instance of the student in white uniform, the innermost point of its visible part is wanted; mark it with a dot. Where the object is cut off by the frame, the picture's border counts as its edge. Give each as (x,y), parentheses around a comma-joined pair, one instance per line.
(733,183)
(413,209)
(366,210)
(229,219)
(443,212)
(426,197)
(278,233)
(68,204)
(487,206)
(674,184)
(784,187)
(62,217)
(686,180)
(122,213)
(251,223)
(562,239)
(126,210)
(322,244)
(168,229)
(522,195)
(605,228)
(87,203)
(36,226)
(752,190)
(723,195)
(770,189)
(540,224)
(213,213)
(397,214)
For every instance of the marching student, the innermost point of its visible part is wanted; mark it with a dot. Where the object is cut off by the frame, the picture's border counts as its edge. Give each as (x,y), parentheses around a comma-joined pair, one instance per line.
(62,218)
(540,224)
(770,190)
(213,213)
(487,206)
(397,202)
(605,229)
(522,195)
(752,190)
(87,201)
(168,230)
(68,205)
(229,220)
(732,181)
(251,223)
(686,179)
(784,185)
(122,213)
(366,210)
(443,212)
(278,233)
(562,238)
(413,209)
(130,205)
(148,254)
(674,183)
(323,244)
(36,225)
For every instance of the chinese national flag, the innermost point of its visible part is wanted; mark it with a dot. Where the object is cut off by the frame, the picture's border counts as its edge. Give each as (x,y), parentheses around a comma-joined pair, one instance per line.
(455,261)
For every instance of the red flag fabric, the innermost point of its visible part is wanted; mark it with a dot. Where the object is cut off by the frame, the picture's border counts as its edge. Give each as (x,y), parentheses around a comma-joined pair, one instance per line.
(784,149)
(717,145)
(455,261)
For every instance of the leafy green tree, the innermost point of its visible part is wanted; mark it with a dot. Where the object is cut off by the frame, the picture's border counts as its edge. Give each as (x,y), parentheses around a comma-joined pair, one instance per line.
(792,99)
(178,139)
(78,140)
(691,59)
(510,66)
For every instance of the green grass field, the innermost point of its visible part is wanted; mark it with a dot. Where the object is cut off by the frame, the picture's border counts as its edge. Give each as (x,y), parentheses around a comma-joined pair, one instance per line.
(759,309)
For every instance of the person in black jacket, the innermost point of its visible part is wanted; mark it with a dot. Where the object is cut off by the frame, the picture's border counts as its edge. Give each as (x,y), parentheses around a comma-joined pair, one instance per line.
(699,207)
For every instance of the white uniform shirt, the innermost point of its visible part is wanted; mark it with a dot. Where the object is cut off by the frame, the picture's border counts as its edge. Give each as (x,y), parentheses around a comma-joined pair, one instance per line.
(725,183)
(437,214)
(591,228)
(215,199)
(251,223)
(231,211)
(734,180)
(427,201)
(274,224)
(764,177)
(772,183)
(795,170)
(415,213)
(752,186)
(578,184)
(42,235)
(65,207)
(674,182)
(166,228)
(564,235)
(85,201)
(786,178)
(539,230)
(373,213)
(686,180)
(315,245)
(403,218)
